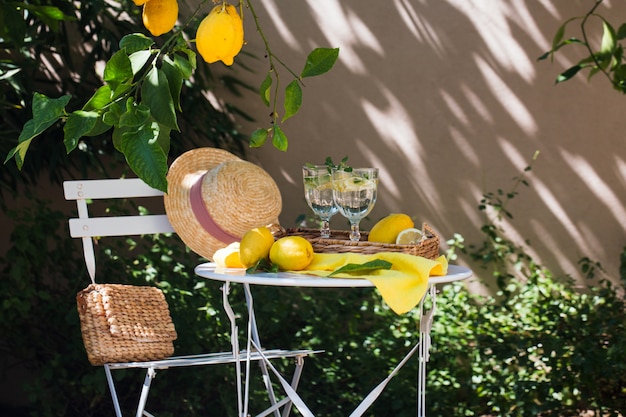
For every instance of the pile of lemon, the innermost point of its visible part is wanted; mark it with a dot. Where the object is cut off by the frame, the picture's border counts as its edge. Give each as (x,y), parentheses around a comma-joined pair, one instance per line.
(396,228)
(289,253)
(295,253)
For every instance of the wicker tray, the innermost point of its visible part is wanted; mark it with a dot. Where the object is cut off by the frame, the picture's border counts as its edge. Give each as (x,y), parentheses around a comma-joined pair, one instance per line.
(339,242)
(125,323)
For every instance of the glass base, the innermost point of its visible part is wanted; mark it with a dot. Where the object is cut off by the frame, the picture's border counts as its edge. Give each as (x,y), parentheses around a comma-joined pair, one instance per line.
(355,234)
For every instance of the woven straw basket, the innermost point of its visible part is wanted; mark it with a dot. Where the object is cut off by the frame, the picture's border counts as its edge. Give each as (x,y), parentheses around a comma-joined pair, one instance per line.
(339,242)
(125,323)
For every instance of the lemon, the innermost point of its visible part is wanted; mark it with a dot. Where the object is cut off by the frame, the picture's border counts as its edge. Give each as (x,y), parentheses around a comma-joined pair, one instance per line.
(220,34)
(139,2)
(255,245)
(409,236)
(291,253)
(228,257)
(388,228)
(160,16)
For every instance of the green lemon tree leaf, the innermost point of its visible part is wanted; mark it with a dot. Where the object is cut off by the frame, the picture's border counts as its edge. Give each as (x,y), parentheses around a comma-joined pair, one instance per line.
(99,128)
(360,269)
(135,42)
(174,80)
(116,137)
(118,69)
(568,73)
(78,124)
(46,112)
(136,114)
(163,139)
(155,93)
(293,99)
(145,155)
(138,60)
(279,139)
(550,53)
(122,90)
(19,151)
(185,66)
(264,90)
(258,138)
(560,33)
(320,61)
(100,99)
(113,114)
(609,38)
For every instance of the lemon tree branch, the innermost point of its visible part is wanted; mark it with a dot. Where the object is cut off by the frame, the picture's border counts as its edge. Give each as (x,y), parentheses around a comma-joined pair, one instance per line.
(319,61)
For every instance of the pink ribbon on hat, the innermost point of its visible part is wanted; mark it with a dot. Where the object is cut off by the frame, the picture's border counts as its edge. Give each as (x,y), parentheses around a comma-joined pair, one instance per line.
(203,216)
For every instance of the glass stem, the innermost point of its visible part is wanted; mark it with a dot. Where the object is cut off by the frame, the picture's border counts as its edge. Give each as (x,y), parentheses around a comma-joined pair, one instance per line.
(325,230)
(355,234)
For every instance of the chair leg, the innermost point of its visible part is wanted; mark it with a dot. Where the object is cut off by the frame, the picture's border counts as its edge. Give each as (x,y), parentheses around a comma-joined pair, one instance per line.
(145,389)
(116,403)
(295,380)
(286,403)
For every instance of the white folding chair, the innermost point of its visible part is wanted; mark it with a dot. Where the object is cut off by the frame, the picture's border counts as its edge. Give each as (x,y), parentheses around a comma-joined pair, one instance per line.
(87,228)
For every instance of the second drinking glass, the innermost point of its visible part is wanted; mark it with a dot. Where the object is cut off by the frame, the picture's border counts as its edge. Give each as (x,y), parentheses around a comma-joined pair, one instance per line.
(355,195)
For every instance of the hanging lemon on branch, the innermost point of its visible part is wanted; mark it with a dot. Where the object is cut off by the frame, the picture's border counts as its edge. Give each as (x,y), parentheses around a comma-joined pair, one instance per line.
(220,35)
(159,16)
(140,96)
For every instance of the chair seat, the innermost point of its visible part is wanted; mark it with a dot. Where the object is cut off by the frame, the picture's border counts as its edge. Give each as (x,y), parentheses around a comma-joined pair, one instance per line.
(212,358)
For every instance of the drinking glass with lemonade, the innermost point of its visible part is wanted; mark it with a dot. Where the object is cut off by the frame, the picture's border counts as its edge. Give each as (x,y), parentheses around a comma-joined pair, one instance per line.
(355,194)
(318,192)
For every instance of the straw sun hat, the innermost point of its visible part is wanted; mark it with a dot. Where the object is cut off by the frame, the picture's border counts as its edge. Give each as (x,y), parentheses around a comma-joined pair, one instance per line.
(214,197)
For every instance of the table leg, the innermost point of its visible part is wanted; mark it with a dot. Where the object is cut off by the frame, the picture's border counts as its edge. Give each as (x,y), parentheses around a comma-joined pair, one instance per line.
(253,342)
(422,347)
(253,335)
(234,342)
(426,321)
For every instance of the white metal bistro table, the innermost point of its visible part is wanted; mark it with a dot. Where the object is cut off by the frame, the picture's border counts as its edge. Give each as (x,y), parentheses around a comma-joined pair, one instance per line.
(287,279)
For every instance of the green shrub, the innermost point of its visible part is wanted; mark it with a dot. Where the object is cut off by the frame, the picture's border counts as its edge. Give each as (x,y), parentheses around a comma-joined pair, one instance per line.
(539,347)
(547,350)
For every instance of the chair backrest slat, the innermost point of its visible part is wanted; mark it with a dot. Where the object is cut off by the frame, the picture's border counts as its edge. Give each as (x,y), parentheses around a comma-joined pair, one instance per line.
(86,227)
(110,188)
(120,226)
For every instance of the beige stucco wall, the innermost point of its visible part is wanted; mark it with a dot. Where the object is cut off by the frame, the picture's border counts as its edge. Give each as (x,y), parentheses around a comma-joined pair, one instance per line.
(447,99)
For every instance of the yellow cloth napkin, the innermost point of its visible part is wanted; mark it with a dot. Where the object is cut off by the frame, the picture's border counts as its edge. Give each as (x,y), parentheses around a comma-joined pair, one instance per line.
(402,287)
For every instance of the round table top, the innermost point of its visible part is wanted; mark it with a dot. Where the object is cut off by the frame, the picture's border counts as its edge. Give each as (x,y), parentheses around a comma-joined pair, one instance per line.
(292,279)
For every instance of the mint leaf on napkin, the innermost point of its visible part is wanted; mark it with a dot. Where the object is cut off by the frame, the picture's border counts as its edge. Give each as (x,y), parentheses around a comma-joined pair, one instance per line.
(264,265)
(356,269)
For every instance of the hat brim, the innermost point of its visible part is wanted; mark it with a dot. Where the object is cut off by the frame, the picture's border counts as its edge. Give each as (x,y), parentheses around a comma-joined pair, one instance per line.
(182,175)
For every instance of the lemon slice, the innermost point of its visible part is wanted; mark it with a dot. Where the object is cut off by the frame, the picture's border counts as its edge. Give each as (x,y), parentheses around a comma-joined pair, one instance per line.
(410,236)
(353,184)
